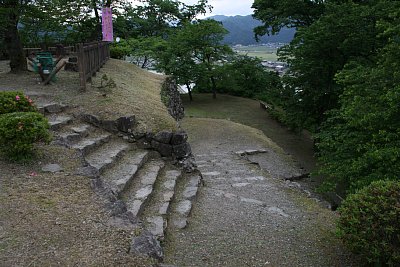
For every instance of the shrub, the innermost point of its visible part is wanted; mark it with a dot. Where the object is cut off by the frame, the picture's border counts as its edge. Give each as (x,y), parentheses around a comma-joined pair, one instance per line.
(15,102)
(369,223)
(19,131)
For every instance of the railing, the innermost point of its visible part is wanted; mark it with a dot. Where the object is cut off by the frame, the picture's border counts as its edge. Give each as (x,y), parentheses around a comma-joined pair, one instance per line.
(55,51)
(91,57)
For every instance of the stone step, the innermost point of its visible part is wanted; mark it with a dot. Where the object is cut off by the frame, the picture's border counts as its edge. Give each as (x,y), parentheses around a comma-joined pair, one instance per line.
(142,187)
(56,122)
(74,134)
(155,213)
(184,200)
(106,155)
(119,177)
(51,107)
(89,144)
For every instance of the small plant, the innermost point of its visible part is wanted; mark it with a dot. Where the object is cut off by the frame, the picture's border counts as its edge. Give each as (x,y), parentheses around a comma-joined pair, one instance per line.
(15,101)
(369,223)
(19,131)
(106,84)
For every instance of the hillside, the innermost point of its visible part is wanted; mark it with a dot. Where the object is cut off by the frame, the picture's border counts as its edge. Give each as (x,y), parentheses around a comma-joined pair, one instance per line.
(241,31)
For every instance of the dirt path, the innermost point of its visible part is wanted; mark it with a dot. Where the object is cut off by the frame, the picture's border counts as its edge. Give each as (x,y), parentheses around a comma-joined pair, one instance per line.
(248,217)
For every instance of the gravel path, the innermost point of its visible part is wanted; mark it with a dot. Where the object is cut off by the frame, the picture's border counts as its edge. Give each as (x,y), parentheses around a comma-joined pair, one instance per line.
(245,216)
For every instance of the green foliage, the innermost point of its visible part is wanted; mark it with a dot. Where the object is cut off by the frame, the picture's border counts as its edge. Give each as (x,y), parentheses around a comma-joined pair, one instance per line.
(194,53)
(245,76)
(120,50)
(19,131)
(360,142)
(15,102)
(369,223)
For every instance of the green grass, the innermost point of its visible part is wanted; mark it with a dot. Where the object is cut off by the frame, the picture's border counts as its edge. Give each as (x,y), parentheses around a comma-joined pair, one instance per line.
(248,112)
(262,52)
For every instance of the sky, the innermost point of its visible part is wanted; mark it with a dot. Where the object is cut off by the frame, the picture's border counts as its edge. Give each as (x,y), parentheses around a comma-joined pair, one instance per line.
(227,7)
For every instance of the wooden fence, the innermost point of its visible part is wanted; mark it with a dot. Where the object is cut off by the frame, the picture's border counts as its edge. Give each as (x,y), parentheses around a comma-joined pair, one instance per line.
(91,57)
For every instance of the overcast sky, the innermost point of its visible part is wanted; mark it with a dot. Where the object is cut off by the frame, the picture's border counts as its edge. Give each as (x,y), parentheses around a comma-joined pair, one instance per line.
(227,7)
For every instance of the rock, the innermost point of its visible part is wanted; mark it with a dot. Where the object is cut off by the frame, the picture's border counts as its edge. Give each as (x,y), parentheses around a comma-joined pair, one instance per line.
(156,225)
(278,211)
(53,168)
(144,192)
(146,244)
(91,119)
(136,207)
(168,196)
(180,223)
(252,201)
(184,207)
(109,125)
(240,184)
(170,185)
(164,149)
(126,124)
(190,193)
(181,151)
(170,93)
(164,209)
(118,207)
(189,164)
(54,108)
(163,137)
(194,181)
(179,138)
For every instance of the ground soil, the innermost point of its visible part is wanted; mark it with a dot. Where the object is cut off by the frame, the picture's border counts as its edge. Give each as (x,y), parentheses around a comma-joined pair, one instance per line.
(247,216)
(56,219)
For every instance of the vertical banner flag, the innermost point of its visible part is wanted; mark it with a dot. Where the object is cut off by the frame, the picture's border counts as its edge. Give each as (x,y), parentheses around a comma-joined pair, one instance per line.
(107,26)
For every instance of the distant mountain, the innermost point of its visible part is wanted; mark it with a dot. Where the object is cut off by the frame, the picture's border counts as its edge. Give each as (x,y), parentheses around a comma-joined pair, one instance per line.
(241,31)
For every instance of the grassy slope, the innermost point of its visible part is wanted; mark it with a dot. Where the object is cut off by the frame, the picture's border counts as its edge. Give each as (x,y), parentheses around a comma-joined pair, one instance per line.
(248,112)
(56,219)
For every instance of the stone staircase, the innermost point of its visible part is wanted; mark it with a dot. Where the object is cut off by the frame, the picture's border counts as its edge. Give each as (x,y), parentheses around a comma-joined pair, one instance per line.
(146,184)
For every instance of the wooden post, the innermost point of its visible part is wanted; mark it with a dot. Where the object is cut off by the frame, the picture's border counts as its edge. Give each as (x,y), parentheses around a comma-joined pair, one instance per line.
(54,72)
(82,68)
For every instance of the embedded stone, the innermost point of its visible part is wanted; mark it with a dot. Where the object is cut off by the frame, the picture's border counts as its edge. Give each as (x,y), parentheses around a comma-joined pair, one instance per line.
(184,207)
(144,192)
(180,223)
(182,150)
(163,137)
(54,108)
(156,225)
(91,119)
(146,244)
(179,138)
(125,124)
(190,193)
(164,209)
(109,125)
(168,196)
(164,149)
(169,184)
(53,168)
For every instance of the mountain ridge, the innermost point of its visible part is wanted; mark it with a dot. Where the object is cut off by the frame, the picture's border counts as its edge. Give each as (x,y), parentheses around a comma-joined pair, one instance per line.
(241,31)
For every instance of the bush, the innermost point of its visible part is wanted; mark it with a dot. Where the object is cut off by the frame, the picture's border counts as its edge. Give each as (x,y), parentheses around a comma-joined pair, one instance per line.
(369,223)
(19,131)
(15,102)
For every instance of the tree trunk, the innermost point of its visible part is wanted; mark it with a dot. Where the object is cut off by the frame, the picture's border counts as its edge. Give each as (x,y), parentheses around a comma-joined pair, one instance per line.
(214,87)
(12,39)
(190,92)
(98,29)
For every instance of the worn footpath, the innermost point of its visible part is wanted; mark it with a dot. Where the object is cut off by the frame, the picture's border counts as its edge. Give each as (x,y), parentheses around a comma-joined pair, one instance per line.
(248,216)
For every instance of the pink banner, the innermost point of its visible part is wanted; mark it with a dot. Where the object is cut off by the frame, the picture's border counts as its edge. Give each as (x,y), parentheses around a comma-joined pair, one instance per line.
(107,26)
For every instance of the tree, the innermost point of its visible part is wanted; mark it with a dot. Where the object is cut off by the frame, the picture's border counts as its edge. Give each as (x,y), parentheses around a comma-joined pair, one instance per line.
(10,14)
(290,13)
(195,53)
(360,142)
(146,27)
